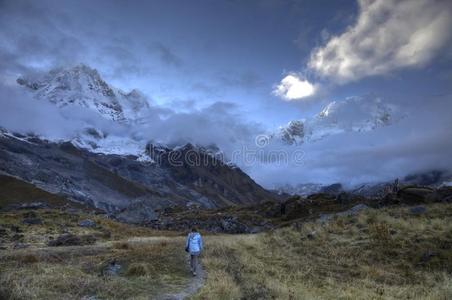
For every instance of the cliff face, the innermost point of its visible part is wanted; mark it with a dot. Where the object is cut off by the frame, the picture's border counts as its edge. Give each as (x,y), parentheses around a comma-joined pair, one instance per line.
(123,184)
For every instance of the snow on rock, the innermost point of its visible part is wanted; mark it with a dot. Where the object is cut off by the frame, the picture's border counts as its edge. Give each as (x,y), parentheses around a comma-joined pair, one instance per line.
(354,114)
(110,145)
(82,86)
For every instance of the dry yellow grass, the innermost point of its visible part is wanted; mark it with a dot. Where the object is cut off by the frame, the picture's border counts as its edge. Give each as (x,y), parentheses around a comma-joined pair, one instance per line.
(150,264)
(384,254)
(147,269)
(379,254)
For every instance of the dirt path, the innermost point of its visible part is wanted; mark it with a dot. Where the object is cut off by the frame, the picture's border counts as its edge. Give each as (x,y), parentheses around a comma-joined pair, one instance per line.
(195,283)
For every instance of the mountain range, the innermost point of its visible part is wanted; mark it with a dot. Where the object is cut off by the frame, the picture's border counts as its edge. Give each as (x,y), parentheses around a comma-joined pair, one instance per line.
(126,177)
(134,178)
(432,178)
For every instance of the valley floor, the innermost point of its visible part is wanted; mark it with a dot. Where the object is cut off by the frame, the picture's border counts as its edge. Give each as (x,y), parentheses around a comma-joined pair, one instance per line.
(390,253)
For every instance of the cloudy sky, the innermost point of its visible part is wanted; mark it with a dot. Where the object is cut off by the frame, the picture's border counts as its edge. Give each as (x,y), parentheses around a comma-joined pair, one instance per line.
(270,62)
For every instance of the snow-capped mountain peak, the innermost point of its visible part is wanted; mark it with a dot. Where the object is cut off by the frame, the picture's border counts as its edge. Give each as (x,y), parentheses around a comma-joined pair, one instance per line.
(354,114)
(83,86)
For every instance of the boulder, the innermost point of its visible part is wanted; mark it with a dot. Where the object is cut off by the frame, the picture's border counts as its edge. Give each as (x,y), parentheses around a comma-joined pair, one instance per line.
(311,235)
(66,239)
(73,211)
(69,239)
(20,246)
(87,223)
(354,210)
(231,225)
(112,268)
(33,205)
(418,210)
(323,218)
(415,195)
(32,221)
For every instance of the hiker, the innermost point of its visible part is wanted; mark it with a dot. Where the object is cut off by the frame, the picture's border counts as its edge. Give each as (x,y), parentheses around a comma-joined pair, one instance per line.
(194,247)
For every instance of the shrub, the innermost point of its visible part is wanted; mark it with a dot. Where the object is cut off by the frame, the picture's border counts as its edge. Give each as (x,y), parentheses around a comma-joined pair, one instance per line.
(137,269)
(29,259)
(121,245)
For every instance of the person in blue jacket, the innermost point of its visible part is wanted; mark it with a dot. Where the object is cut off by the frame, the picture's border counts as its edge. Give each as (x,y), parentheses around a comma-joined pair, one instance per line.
(194,247)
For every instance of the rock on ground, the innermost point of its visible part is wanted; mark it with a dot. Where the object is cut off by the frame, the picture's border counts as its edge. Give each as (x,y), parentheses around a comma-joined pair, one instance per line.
(87,223)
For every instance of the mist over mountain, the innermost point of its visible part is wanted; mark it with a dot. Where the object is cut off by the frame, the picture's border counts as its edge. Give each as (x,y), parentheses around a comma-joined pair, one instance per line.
(76,104)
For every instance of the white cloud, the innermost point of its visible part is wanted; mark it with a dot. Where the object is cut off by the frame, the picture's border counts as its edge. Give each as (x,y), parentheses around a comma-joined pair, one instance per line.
(293,87)
(388,35)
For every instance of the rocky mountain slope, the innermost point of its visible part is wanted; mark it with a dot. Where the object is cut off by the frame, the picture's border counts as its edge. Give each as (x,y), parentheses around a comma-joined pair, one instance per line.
(133,190)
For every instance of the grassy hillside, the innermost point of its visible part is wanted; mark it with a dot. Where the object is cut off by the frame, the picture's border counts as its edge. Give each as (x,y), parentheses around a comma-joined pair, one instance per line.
(380,254)
(15,191)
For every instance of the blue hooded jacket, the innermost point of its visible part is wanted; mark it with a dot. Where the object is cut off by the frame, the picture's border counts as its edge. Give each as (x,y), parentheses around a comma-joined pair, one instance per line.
(194,242)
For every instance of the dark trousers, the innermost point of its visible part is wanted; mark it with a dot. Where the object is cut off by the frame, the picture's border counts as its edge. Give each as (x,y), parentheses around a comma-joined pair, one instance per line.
(194,261)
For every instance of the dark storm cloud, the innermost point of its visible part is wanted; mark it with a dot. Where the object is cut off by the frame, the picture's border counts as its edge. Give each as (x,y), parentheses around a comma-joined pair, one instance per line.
(30,36)
(35,37)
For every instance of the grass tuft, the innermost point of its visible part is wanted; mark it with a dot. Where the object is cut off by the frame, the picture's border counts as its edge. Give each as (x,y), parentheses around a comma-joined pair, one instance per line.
(137,269)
